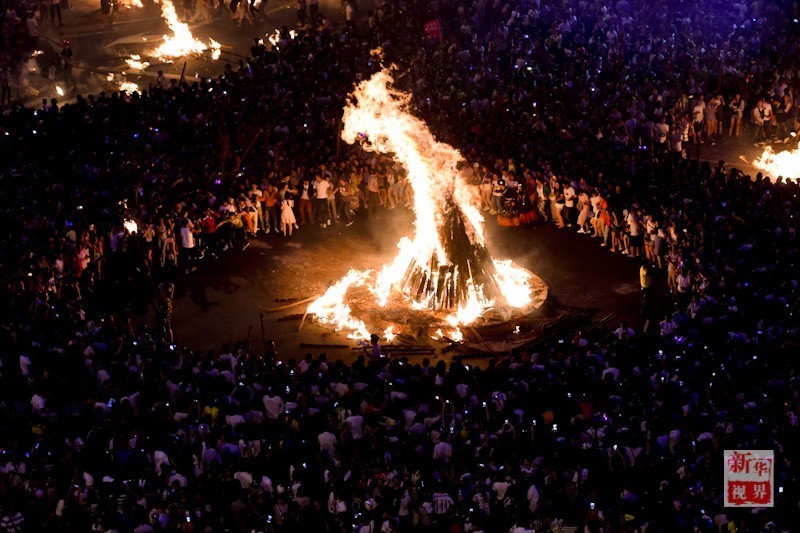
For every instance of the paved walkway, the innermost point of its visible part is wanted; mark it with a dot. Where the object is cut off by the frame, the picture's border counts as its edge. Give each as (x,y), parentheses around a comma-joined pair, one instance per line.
(100,49)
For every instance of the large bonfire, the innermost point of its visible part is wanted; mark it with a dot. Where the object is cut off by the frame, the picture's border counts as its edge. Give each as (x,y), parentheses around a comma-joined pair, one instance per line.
(445,267)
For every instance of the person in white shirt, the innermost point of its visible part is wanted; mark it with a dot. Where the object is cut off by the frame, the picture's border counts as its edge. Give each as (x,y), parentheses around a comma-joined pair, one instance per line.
(33,30)
(37,403)
(442,503)
(24,364)
(322,185)
(661,135)
(443,451)
(187,242)
(327,443)
(762,118)
(624,330)
(636,239)
(533,498)
(187,235)
(274,406)
(500,488)
(356,423)
(667,326)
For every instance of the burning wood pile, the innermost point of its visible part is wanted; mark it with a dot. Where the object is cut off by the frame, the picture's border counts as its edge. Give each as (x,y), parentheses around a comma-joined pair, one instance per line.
(445,269)
(447,285)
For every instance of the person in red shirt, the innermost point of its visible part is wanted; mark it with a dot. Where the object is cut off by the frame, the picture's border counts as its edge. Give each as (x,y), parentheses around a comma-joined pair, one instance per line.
(208,227)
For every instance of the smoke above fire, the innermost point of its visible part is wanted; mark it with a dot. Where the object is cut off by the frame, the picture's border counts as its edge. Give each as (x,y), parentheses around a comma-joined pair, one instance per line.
(444,265)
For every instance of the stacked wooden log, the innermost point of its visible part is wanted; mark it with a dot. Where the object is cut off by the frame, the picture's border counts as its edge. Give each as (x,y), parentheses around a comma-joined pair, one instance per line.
(446,285)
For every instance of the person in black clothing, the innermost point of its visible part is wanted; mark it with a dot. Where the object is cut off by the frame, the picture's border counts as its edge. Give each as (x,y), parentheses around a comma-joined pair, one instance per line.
(166,293)
(66,61)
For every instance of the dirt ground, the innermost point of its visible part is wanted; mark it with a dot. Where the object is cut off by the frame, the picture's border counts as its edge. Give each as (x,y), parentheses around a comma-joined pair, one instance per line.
(224,301)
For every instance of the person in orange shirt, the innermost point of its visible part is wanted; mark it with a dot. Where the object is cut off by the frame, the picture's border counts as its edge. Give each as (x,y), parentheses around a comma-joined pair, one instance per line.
(269,204)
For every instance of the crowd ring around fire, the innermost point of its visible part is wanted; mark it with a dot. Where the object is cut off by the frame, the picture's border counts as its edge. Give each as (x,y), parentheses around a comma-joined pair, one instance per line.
(443,280)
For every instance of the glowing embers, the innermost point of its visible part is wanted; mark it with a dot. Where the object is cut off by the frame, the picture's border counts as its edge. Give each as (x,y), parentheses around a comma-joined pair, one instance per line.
(135,62)
(131,226)
(216,49)
(128,87)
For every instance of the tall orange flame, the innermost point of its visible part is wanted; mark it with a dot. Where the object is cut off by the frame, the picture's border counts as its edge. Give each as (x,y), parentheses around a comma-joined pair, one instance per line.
(378,116)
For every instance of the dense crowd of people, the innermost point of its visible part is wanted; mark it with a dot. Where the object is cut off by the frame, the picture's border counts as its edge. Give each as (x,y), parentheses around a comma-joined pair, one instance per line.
(578,114)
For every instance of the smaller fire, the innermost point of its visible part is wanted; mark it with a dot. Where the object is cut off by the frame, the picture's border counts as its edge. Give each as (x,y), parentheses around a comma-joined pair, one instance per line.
(59,91)
(128,87)
(275,38)
(181,43)
(331,309)
(515,283)
(131,226)
(37,52)
(135,62)
(456,335)
(784,164)
(216,49)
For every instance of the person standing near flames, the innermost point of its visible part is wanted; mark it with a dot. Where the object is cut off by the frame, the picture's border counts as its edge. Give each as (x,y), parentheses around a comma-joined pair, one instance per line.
(66,62)
(373,195)
(375,351)
(163,304)
(306,209)
(646,284)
